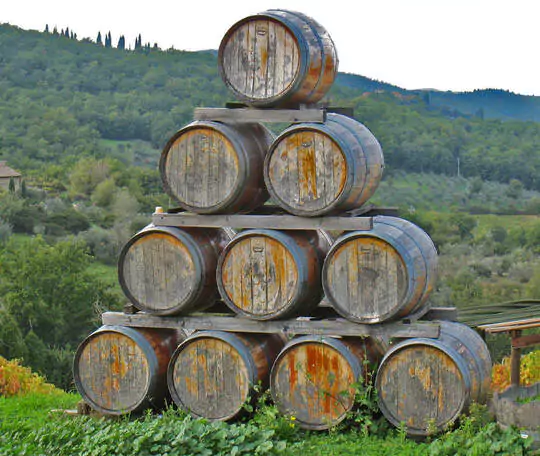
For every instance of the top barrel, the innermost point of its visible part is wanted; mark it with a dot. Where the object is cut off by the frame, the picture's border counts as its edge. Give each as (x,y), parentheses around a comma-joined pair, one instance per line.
(278,58)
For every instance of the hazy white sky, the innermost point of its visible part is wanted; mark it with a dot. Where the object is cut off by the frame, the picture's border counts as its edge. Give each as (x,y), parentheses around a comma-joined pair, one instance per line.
(442,44)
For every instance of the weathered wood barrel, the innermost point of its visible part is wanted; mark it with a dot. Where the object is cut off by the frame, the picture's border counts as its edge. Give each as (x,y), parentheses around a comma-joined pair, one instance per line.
(314,378)
(269,274)
(381,274)
(428,383)
(317,169)
(168,271)
(213,374)
(210,167)
(276,58)
(119,370)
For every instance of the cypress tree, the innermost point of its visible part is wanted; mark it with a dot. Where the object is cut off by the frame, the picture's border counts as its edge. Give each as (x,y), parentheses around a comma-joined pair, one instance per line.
(121,42)
(55,31)
(99,40)
(24,192)
(46,28)
(11,186)
(66,33)
(108,40)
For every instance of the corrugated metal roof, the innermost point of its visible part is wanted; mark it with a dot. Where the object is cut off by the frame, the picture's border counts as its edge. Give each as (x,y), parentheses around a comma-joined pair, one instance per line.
(6,171)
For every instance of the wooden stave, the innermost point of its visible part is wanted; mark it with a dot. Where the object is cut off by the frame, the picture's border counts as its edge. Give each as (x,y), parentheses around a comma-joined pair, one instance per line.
(308,250)
(316,48)
(471,357)
(419,256)
(363,158)
(258,353)
(361,354)
(205,246)
(156,344)
(250,142)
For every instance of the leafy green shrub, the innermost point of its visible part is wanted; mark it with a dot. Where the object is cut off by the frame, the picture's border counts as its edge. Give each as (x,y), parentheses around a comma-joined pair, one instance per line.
(173,434)
(476,436)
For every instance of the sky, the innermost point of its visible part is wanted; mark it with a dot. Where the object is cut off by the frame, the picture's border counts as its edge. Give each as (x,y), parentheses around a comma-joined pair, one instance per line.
(457,45)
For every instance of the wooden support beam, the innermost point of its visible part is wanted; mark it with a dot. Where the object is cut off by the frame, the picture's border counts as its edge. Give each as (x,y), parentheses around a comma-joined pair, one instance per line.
(526,341)
(279,222)
(515,361)
(333,327)
(261,115)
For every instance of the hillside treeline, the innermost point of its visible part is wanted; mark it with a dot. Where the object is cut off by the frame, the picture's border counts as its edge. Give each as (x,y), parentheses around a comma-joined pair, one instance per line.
(60,98)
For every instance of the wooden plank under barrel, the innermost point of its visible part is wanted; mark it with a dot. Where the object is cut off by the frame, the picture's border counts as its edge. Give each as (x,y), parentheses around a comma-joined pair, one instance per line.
(213,374)
(382,274)
(119,370)
(428,383)
(314,378)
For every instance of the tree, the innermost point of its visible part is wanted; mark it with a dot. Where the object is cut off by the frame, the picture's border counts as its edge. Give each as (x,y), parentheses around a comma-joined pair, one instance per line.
(121,42)
(48,294)
(11,186)
(99,40)
(46,28)
(515,189)
(138,42)
(108,40)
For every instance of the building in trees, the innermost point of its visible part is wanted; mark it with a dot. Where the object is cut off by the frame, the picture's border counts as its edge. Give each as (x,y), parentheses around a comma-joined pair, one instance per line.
(7,174)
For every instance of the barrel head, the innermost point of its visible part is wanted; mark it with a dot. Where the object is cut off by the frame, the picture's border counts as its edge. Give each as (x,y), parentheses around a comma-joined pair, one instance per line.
(422,386)
(210,378)
(113,373)
(259,277)
(260,59)
(314,382)
(200,168)
(366,279)
(306,172)
(158,272)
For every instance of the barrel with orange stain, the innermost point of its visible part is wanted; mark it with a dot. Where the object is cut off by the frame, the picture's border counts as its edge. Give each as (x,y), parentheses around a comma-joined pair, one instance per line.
(428,383)
(314,379)
(168,271)
(215,374)
(382,274)
(269,274)
(318,169)
(215,168)
(119,370)
(278,58)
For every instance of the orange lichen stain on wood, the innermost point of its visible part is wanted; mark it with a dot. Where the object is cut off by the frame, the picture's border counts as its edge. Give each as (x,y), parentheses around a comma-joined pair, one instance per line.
(293,373)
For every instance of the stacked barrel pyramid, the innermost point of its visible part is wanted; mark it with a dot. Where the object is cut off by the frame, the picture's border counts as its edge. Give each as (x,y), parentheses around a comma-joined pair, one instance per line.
(279,60)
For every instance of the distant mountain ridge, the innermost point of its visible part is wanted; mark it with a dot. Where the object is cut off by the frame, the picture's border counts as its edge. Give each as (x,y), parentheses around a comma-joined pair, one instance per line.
(486,103)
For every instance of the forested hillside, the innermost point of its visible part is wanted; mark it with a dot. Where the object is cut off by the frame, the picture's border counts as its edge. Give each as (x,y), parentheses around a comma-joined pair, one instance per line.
(84,124)
(61,99)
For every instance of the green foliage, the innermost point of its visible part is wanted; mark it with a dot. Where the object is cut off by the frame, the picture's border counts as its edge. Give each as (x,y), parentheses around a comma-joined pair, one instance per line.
(476,436)
(48,301)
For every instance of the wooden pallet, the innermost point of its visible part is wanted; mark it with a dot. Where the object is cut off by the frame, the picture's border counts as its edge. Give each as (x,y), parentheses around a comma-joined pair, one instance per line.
(298,326)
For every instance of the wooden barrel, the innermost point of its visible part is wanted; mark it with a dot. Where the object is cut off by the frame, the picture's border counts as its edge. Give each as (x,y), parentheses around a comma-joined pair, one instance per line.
(210,167)
(382,274)
(314,378)
(317,169)
(276,58)
(428,383)
(167,271)
(120,370)
(269,274)
(213,374)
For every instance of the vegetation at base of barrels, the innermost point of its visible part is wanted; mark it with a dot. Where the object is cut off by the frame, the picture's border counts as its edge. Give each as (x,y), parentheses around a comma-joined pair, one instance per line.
(529,371)
(17,380)
(48,303)
(172,433)
(477,435)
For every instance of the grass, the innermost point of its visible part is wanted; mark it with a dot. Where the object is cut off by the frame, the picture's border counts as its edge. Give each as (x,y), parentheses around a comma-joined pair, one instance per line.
(27,427)
(107,274)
